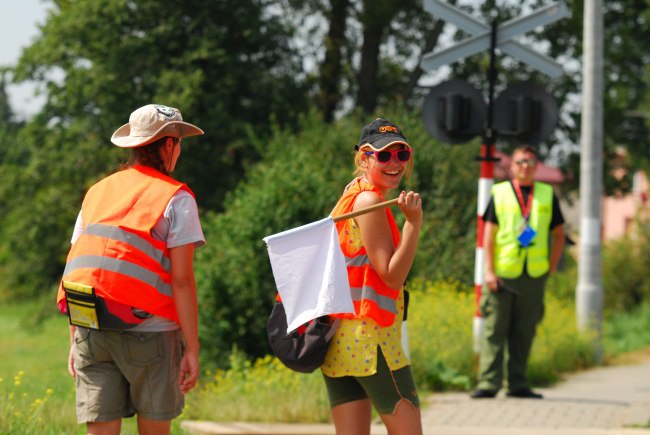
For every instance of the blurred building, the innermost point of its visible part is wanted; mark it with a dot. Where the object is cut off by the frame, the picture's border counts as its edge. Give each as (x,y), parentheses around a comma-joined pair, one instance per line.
(621,211)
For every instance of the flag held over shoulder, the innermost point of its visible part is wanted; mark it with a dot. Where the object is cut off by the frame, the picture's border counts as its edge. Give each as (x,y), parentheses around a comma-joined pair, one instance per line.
(310,272)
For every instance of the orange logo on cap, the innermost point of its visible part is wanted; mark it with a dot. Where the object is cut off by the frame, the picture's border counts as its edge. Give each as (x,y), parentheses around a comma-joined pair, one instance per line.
(387,128)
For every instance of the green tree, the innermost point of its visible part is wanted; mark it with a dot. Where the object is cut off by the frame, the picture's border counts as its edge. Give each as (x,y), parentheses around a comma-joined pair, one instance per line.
(6,112)
(228,65)
(8,124)
(382,43)
(368,51)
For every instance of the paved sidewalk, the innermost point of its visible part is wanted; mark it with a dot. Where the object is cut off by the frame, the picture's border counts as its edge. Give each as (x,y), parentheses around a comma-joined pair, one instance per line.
(601,401)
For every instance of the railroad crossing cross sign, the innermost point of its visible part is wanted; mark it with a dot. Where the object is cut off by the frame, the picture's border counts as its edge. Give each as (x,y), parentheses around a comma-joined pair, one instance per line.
(481,33)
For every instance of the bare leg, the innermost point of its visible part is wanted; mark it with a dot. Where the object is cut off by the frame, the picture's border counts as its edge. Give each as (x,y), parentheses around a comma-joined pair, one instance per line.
(353,418)
(153,427)
(406,419)
(112,427)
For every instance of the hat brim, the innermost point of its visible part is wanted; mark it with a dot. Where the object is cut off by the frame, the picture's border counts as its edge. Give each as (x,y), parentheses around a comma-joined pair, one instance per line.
(123,138)
(385,142)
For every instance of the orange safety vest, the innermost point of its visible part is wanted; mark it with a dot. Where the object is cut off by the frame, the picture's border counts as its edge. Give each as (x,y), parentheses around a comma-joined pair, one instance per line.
(372,298)
(116,254)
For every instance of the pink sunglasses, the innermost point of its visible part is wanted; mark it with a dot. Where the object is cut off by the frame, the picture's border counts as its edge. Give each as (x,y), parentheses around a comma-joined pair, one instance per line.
(386,156)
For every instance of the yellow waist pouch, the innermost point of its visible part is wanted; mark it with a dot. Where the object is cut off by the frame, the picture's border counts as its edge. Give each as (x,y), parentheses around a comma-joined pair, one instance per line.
(82,304)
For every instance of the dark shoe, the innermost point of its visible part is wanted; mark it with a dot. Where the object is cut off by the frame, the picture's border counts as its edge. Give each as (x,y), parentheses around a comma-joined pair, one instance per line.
(483,394)
(525,393)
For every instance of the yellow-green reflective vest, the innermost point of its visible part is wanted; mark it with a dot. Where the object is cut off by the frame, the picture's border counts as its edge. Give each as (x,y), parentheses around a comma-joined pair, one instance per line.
(509,255)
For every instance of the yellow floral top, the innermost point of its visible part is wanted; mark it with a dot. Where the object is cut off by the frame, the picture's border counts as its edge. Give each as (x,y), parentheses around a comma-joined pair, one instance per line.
(353,348)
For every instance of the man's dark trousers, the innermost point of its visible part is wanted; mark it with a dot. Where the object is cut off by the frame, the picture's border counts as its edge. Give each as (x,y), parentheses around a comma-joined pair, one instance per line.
(511,316)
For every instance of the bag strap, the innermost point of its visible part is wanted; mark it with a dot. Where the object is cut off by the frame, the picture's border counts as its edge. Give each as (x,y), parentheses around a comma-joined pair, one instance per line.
(333,329)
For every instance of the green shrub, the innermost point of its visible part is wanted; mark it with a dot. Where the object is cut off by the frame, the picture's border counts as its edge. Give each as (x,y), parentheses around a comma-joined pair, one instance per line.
(298,182)
(627,331)
(626,261)
(440,333)
(558,347)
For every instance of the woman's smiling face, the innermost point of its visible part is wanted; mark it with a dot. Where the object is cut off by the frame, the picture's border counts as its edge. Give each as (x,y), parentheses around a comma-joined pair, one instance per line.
(385,176)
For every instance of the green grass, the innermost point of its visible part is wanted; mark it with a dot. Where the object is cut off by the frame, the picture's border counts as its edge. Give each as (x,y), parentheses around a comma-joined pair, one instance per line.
(36,391)
(627,332)
(37,394)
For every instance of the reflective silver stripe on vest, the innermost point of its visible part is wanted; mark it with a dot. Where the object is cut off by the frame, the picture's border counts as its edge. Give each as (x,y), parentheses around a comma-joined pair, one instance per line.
(366,292)
(116,233)
(119,266)
(358,261)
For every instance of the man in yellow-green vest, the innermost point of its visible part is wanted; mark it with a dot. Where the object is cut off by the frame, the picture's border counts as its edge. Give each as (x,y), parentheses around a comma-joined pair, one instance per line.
(523,241)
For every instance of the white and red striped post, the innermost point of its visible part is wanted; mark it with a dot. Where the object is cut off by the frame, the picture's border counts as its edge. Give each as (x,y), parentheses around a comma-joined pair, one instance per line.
(486,179)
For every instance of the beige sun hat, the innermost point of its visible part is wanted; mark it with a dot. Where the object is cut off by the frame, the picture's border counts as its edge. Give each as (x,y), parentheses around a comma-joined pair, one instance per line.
(151,122)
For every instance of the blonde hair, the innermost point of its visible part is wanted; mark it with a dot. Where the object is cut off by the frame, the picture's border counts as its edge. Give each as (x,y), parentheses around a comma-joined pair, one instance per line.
(359,157)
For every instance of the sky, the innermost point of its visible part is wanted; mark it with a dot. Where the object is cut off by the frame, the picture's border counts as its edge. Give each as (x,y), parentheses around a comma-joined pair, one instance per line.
(18,30)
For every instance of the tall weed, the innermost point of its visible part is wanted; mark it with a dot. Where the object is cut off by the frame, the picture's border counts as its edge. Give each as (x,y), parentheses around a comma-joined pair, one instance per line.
(261,391)
(626,261)
(37,394)
(627,331)
(440,330)
(36,391)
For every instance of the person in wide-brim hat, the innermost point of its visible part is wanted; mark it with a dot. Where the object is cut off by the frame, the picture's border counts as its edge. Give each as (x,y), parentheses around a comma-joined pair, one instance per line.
(129,283)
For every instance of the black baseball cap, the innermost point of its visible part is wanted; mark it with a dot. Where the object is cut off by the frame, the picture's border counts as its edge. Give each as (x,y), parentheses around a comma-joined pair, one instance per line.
(381,133)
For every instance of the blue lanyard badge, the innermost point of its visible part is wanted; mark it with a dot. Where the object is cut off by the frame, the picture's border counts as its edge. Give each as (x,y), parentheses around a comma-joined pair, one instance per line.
(526,234)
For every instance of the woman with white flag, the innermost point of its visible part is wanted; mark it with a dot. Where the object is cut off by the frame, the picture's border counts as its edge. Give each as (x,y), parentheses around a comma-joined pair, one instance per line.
(366,364)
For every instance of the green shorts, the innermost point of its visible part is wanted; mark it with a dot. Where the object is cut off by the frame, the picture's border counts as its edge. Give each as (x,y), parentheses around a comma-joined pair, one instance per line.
(122,373)
(385,388)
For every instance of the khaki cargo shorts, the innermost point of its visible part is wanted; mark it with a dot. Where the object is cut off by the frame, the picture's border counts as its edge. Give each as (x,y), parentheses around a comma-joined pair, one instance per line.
(122,373)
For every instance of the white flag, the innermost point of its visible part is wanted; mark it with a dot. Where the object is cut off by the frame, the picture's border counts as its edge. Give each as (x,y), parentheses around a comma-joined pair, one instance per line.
(310,272)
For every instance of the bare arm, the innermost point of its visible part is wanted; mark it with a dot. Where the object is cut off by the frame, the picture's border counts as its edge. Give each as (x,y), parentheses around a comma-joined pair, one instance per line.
(71,369)
(392,264)
(184,294)
(557,246)
(489,234)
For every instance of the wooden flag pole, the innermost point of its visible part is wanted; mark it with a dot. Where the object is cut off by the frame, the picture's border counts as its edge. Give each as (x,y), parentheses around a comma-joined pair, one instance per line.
(366,210)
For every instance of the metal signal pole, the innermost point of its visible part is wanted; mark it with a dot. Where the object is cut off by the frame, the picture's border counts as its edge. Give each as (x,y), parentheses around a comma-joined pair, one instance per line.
(589,292)
(486,179)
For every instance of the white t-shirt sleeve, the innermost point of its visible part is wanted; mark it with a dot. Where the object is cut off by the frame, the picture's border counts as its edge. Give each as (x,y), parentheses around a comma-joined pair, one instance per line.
(181,216)
(78,229)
